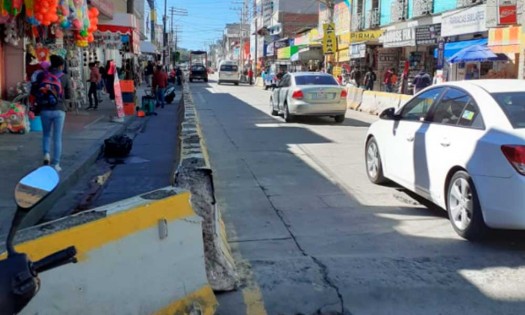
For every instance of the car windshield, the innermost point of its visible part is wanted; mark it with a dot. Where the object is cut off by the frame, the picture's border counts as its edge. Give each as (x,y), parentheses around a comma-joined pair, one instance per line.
(513,104)
(315,80)
(229,68)
(197,68)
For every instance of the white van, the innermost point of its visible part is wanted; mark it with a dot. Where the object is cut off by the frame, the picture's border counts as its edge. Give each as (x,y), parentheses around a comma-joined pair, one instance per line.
(229,72)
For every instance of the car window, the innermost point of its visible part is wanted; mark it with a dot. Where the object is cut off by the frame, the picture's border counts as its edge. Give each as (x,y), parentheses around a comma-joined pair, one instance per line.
(471,116)
(513,105)
(449,109)
(229,68)
(418,107)
(315,80)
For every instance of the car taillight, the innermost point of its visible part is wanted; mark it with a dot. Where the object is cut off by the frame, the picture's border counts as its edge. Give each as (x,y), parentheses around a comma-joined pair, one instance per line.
(344,93)
(298,94)
(516,156)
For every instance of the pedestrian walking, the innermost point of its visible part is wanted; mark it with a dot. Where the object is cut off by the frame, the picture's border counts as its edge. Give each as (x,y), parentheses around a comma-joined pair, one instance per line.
(94,79)
(421,81)
(250,76)
(388,80)
(355,76)
(149,73)
(370,79)
(160,82)
(50,101)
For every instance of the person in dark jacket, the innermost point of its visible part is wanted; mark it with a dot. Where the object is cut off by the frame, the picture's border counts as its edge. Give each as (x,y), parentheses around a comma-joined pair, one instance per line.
(421,81)
(53,117)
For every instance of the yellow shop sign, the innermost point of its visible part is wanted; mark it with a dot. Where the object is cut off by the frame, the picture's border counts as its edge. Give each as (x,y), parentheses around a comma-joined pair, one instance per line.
(364,36)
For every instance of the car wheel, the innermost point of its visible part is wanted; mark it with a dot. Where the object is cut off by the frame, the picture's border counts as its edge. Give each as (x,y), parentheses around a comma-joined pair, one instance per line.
(339,118)
(272,108)
(287,116)
(374,165)
(464,210)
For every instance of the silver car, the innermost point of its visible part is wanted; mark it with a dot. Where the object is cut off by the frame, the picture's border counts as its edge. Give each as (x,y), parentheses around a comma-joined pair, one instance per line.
(308,94)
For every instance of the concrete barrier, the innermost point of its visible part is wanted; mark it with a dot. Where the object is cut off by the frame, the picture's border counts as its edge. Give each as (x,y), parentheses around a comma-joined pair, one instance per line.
(143,255)
(384,100)
(351,90)
(368,102)
(194,174)
(259,82)
(357,99)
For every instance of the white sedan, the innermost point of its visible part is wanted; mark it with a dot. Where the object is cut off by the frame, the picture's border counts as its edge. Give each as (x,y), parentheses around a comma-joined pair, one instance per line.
(308,94)
(460,145)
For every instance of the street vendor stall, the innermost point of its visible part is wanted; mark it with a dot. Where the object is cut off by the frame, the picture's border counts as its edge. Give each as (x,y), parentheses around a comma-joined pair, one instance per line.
(474,62)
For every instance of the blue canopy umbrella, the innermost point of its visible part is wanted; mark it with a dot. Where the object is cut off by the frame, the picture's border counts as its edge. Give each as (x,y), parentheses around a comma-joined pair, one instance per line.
(474,53)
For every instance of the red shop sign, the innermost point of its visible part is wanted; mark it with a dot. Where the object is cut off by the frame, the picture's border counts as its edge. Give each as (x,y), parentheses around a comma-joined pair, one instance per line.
(507,14)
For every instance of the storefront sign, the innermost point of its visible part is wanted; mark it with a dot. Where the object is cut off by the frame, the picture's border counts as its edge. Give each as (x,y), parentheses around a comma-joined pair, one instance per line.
(507,12)
(343,55)
(464,21)
(365,36)
(399,38)
(104,6)
(428,34)
(358,51)
(441,53)
(270,50)
(329,38)
(281,44)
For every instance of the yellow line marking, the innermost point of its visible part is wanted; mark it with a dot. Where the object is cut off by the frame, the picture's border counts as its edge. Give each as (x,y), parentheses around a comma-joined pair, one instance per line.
(203,300)
(254,301)
(95,234)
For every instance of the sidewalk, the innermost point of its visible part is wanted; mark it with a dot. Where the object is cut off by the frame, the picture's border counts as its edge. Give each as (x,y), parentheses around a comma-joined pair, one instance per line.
(84,133)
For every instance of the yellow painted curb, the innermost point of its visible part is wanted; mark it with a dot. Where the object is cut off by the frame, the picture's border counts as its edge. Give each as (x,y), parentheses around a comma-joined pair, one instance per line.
(95,234)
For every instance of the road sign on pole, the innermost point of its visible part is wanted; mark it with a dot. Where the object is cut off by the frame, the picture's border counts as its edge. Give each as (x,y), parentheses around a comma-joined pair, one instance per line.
(329,38)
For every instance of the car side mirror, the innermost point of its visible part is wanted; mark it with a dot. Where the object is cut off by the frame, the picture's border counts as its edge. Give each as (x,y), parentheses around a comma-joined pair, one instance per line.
(30,191)
(389,114)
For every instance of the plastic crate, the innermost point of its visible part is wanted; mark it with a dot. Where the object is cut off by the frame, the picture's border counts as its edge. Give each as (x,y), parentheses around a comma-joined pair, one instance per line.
(129,109)
(148,104)
(127,86)
(128,97)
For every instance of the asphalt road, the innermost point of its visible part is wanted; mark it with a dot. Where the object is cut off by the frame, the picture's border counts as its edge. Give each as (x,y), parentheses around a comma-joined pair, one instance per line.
(311,234)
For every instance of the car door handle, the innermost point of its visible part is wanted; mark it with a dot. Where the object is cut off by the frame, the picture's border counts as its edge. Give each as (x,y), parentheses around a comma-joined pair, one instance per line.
(445,143)
(410,138)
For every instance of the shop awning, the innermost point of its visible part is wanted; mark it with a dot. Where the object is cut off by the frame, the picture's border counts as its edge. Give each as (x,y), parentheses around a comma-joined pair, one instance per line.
(475,53)
(148,48)
(454,47)
(505,40)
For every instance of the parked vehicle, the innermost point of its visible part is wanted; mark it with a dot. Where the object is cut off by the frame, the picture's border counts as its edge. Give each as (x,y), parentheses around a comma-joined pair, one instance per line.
(229,73)
(169,94)
(198,72)
(308,94)
(462,146)
(19,281)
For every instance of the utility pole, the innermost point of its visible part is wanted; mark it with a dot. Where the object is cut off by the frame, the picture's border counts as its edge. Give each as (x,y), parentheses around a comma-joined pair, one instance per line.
(165,56)
(173,11)
(330,5)
(255,59)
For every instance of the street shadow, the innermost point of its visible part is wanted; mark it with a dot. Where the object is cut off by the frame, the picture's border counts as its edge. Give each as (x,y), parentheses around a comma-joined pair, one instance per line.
(379,258)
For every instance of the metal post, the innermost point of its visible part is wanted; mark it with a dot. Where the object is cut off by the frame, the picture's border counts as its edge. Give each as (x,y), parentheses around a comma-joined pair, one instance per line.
(165,34)
(255,59)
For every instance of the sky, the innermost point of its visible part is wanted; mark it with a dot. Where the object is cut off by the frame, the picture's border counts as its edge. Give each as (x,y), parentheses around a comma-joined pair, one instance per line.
(205,21)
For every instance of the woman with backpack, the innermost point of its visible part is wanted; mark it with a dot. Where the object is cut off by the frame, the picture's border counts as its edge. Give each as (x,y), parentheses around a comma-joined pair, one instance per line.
(54,87)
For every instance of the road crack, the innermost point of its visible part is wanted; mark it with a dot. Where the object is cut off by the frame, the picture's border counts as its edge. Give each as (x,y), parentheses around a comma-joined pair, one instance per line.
(322,267)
